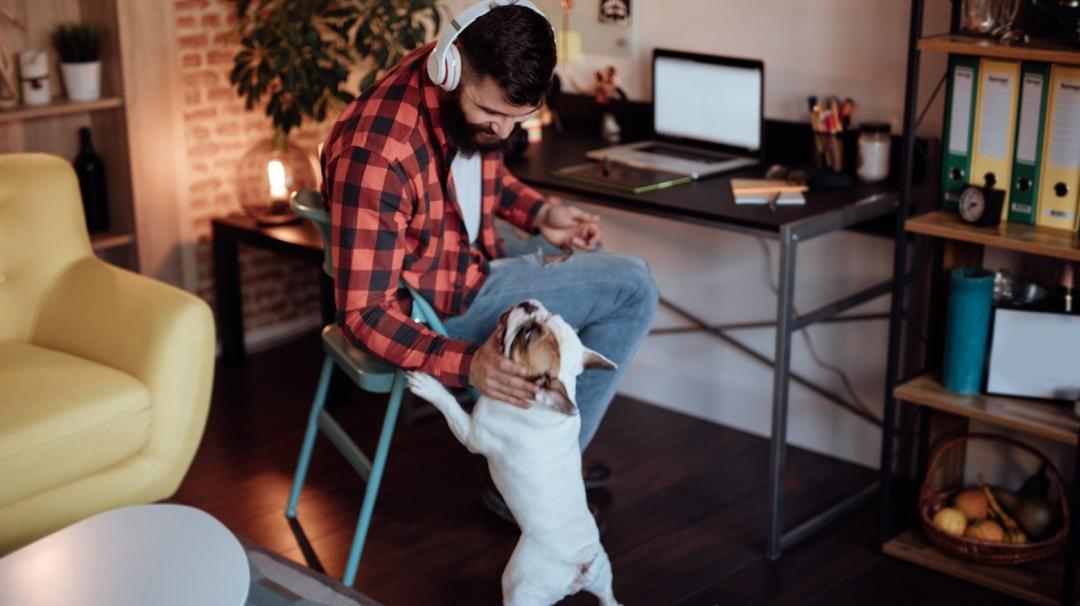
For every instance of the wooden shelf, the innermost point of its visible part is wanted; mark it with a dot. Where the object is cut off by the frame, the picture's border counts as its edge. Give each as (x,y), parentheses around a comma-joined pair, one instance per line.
(1051,51)
(106,241)
(1054,421)
(1037,582)
(58,107)
(1032,239)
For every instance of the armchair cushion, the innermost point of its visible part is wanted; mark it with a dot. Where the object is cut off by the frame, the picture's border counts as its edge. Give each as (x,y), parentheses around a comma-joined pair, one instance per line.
(63,417)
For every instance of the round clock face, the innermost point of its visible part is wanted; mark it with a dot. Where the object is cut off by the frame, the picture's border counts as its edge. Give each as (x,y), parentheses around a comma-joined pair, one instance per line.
(972,204)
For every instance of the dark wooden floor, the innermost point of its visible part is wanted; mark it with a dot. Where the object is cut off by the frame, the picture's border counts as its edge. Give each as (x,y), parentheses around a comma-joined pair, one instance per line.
(686,521)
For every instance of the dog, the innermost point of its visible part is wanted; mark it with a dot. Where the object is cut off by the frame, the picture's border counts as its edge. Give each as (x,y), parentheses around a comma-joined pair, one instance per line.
(535,461)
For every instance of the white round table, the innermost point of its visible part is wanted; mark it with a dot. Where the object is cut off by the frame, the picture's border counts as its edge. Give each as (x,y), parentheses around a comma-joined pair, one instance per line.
(163,555)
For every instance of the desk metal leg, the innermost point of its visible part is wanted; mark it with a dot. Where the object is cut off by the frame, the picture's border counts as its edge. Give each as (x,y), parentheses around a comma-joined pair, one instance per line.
(230,314)
(778,445)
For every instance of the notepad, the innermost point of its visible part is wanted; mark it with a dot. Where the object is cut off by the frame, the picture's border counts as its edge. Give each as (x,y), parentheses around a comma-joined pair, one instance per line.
(762,191)
(784,199)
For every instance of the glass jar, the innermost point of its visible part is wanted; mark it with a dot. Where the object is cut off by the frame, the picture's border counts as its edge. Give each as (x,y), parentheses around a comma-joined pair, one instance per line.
(874,144)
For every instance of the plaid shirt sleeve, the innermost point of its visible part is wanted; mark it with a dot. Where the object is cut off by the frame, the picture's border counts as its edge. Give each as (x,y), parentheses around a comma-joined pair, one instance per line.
(370,208)
(519,204)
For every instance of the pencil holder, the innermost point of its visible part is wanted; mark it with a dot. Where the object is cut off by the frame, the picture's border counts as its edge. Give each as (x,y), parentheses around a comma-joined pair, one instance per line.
(971,294)
(833,152)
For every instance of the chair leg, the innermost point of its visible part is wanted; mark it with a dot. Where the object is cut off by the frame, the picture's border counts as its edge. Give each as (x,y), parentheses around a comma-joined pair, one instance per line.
(309,436)
(372,488)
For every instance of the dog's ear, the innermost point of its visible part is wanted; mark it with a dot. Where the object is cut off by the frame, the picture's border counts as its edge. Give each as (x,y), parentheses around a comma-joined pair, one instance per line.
(553,393)
(595,360)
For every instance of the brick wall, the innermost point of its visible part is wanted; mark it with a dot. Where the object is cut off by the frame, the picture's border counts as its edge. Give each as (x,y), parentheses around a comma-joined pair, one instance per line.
(218,131)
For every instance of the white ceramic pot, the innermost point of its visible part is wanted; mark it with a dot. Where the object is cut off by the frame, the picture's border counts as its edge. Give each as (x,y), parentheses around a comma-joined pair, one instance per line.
(82,80)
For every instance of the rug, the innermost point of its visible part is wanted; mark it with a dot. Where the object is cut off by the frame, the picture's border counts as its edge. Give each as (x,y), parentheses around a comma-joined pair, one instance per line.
(277,581)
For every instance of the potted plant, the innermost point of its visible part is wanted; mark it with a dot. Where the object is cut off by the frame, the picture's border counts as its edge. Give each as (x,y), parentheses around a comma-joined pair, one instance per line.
(298,54)
(79,48)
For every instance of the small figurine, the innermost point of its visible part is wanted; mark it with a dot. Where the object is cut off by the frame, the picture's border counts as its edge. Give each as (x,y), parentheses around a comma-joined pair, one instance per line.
(607,93)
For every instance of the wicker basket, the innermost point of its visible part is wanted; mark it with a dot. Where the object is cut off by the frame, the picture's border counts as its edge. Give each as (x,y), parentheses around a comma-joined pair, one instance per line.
(989,552)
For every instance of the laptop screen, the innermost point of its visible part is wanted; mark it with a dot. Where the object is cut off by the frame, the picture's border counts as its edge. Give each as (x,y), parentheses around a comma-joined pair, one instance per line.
(708,99)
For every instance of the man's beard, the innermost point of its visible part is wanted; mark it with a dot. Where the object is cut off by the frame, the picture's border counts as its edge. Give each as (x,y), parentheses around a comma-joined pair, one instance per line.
(468,138)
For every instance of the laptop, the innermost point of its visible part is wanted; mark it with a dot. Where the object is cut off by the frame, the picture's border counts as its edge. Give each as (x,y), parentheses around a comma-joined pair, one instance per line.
(707,115)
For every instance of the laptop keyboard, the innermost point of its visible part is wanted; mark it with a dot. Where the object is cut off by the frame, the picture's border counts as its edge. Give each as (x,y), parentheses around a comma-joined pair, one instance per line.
(685,154)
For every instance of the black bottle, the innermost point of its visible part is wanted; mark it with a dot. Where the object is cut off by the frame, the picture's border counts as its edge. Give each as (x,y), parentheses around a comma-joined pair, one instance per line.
(90,170)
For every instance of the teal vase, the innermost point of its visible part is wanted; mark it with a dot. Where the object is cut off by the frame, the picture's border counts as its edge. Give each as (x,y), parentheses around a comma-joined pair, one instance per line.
(971,297)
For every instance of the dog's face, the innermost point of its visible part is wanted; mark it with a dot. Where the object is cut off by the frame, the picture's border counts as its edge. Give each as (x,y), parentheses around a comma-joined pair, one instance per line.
(551,351)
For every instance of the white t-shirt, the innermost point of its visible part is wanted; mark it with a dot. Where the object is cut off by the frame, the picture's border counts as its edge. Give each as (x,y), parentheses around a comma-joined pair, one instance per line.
(467,179)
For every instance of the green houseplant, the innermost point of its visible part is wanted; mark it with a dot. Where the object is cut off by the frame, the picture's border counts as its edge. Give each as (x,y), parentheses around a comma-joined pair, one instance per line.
(79,48)
(298,54)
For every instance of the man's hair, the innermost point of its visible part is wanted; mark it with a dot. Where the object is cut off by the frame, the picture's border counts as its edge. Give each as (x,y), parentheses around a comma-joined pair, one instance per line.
(516,47)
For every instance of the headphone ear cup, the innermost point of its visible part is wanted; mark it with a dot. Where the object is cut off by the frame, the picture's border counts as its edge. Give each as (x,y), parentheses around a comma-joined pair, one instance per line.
(434,68)
(453,67)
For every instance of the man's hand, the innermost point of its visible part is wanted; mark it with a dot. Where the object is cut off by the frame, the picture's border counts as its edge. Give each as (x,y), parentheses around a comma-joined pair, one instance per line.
(568,227)
(499,377)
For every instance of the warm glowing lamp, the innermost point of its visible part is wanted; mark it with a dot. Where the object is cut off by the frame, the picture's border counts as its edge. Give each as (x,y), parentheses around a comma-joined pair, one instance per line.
(267,176)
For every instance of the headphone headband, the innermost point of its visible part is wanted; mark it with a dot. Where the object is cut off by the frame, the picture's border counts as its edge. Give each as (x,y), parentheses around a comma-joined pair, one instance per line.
(444,63)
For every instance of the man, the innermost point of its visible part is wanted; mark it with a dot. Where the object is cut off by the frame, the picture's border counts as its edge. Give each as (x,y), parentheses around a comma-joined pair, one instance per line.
(414,179)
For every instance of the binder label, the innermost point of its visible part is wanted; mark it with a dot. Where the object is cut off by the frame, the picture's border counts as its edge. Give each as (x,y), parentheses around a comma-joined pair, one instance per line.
(1065,149)
(1028,137)
(960,123)
(996,117)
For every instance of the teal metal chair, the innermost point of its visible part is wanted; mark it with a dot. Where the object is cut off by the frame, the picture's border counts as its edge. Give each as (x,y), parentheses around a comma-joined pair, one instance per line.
(369,374)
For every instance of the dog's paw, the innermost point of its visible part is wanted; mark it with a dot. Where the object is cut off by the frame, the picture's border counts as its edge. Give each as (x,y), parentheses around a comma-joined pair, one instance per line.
(424,385)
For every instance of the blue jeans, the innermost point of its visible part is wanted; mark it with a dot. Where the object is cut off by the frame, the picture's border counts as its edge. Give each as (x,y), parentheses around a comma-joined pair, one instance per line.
(610,298)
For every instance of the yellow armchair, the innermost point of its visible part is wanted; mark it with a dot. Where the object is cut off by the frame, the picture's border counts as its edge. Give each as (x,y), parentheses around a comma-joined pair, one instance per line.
(105,375)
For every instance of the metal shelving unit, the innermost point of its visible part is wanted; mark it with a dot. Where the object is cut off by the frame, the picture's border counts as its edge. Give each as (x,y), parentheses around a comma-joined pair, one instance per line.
(1050,581)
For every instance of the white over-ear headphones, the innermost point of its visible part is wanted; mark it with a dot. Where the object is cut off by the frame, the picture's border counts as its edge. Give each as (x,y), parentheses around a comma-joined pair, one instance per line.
(444,63)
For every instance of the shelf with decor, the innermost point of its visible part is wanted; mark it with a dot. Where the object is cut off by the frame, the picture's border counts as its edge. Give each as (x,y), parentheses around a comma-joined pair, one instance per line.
(1047,419)
(949,413)
(1037,582)
(920,412)
(1050,51)
(1030,239)
(54,126)
(58,107)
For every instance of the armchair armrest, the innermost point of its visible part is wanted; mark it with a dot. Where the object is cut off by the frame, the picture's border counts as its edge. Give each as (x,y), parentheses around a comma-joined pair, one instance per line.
(161,335)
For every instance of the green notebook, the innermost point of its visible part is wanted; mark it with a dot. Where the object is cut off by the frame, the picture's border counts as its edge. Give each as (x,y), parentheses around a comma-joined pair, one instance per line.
(622,177)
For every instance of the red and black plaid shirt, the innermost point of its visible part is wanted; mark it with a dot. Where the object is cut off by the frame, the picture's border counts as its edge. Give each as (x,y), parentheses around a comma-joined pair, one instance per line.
(394,213)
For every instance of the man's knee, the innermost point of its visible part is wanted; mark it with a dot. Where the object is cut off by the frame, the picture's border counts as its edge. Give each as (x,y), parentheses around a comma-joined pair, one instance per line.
(640,281)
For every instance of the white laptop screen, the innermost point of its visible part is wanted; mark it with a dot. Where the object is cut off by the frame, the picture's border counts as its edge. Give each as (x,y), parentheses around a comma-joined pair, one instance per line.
(707,102)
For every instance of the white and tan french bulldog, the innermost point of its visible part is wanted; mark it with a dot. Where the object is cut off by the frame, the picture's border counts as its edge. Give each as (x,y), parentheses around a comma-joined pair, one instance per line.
(535,461)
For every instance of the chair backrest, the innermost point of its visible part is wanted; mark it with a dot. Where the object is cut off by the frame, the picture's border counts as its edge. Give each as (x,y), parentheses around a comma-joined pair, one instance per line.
(308,204)
(42,232)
